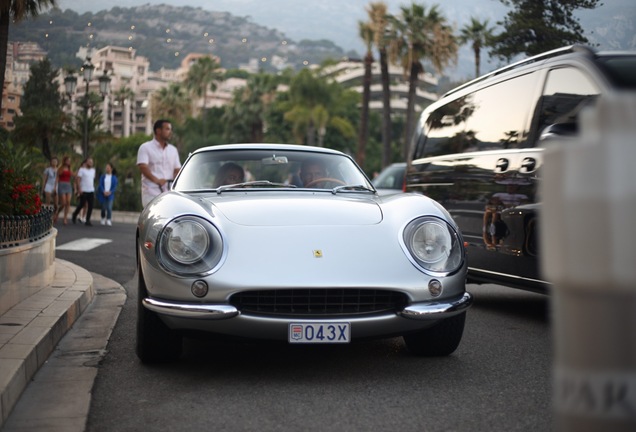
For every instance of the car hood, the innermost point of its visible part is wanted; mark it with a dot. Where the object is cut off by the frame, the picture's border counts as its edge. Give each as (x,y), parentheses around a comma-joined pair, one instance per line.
(298,211)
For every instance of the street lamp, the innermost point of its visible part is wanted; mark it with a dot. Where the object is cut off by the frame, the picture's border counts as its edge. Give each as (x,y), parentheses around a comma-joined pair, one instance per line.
(70,84)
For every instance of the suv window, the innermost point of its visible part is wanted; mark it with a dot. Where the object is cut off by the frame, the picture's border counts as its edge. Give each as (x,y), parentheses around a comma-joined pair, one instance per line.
(567,90)
(620,69)
(489,119)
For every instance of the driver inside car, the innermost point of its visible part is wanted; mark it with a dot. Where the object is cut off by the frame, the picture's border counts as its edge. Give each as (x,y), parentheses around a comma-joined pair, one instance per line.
(312,170)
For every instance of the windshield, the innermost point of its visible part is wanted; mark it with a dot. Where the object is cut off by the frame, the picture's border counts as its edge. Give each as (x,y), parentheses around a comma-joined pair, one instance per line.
(254,168)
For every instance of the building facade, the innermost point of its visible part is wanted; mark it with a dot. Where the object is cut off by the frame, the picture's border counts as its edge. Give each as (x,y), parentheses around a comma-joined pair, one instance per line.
(20,56)
(350,73)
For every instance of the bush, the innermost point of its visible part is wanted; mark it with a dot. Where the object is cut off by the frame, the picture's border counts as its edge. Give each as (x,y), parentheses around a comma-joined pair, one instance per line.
(18,192)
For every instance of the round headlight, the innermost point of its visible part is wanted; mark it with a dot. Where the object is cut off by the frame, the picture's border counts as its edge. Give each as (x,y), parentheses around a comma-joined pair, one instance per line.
(433,244)
(187,241)
(189,245)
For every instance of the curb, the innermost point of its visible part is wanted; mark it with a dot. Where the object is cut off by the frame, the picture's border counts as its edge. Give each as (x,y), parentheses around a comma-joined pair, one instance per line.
(30,330)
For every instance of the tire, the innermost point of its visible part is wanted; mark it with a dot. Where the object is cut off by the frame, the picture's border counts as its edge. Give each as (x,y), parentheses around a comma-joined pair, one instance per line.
(156,343)
(440,340)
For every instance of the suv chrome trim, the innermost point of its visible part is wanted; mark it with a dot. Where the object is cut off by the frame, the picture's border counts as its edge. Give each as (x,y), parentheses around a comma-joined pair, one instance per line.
(539,57)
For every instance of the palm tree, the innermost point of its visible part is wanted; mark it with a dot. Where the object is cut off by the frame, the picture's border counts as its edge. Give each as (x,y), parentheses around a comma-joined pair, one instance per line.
(15,10)
(421,34)
(244,118)
(366,34)
(379,20)
(171,103)
(92,119)
(479,35)
(306,92)
(203,76)
(313,108)
(125,96)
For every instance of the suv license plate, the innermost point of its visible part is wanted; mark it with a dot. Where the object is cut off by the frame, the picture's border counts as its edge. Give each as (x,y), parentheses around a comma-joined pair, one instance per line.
(333,332)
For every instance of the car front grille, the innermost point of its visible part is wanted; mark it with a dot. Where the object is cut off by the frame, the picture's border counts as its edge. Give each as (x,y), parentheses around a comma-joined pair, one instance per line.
(318,302)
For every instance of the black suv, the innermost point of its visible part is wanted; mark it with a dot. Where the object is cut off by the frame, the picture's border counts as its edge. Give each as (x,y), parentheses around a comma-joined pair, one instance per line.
(478,151)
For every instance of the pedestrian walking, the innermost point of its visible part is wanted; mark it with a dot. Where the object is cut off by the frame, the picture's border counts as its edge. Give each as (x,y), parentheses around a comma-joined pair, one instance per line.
(85,183)
(49,184)
(64,188)
(106,193)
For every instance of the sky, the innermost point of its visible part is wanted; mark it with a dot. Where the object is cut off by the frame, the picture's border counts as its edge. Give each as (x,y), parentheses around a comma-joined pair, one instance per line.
(335,20)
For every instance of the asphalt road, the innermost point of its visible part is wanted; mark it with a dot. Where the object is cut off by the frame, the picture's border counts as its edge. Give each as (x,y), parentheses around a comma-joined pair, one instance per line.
(499,379)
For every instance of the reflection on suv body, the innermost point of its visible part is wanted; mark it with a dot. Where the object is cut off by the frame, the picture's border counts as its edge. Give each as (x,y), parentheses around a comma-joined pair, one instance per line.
(391,179)
(478,151)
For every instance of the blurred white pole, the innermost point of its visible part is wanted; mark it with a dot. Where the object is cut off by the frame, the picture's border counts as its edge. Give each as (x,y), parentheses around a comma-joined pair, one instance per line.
(588,238)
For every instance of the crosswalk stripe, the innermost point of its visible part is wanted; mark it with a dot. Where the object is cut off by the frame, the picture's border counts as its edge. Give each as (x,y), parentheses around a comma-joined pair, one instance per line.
(83,244)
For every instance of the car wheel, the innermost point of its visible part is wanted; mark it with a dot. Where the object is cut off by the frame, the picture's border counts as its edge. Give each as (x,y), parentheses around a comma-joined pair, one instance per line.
(155,341)
(440,340)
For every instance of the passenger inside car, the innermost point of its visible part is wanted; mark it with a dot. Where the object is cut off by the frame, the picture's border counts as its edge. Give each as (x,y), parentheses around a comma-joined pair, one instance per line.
(229,173)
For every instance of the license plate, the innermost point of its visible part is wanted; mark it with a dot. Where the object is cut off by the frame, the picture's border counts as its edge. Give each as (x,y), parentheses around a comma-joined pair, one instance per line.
(315,332)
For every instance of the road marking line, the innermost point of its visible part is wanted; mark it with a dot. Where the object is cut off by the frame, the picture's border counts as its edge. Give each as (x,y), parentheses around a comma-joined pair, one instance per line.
(84,244)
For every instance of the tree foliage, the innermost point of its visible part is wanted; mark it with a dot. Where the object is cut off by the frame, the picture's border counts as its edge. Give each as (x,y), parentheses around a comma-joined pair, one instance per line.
(536,26)
(203,76)
(420,33)
(42,118)
(379,22)
(315,106)
(171,103)
(245,116)
(479,35)
(16,10)
(365,31)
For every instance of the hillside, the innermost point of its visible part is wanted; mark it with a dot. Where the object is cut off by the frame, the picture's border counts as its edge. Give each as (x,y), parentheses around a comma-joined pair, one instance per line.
(611,26)
(165,33)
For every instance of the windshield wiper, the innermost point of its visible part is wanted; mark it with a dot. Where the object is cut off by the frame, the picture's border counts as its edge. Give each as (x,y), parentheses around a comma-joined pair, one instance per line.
(256,183)
(351,188)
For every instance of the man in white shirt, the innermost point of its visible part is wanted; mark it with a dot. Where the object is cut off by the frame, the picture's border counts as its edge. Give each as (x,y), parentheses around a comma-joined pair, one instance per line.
(158,162)
(85,185)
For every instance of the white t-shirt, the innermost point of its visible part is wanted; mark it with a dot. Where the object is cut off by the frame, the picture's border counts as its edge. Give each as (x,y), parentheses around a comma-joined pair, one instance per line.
(86,179)
(162,161)
(108,178)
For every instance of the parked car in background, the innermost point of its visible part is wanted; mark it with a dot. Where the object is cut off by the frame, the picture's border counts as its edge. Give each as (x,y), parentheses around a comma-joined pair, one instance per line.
(320,258)
(391,179)
(479,152)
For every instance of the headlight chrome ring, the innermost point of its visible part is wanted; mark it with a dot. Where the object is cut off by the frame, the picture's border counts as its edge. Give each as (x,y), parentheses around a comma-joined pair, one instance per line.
(189,245)
(433,245)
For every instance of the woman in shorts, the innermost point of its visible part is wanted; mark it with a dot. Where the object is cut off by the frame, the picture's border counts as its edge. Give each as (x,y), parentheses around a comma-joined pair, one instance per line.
(64,188)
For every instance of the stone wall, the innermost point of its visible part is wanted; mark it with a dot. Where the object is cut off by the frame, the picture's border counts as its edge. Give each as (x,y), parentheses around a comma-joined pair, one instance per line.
(26,269)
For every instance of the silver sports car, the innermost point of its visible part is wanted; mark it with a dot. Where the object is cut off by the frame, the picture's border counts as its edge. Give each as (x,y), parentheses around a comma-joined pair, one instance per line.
(292,243)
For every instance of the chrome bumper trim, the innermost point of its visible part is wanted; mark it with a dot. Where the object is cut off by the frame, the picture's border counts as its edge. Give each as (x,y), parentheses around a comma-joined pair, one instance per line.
(442,309)
(420,311)
(185,310)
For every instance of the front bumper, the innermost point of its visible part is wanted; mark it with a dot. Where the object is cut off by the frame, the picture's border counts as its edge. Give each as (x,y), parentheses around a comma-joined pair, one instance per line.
(228,320)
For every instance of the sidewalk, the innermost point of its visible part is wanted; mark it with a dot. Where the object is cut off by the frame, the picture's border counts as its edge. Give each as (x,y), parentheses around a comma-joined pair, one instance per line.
(31,331)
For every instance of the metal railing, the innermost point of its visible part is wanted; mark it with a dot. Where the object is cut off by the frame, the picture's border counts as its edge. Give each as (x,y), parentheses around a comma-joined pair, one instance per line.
(18,230)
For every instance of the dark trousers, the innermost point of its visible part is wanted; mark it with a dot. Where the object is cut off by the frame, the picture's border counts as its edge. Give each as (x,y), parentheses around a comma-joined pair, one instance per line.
(85,197)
